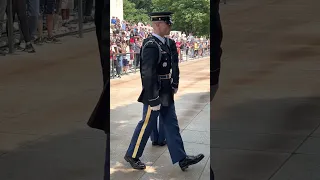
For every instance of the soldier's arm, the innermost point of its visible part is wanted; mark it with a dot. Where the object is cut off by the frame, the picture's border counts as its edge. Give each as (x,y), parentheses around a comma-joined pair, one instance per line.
(175,65)
(149,62)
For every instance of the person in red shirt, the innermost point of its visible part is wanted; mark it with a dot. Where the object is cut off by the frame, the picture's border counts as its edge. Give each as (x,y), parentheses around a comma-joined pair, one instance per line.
(178,44)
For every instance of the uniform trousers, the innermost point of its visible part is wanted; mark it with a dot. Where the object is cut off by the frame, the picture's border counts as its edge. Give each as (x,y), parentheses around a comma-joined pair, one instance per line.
(157,134)
(171,130)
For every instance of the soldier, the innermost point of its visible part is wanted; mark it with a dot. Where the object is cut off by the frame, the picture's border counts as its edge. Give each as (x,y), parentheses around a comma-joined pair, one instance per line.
(157,135)
(157,97)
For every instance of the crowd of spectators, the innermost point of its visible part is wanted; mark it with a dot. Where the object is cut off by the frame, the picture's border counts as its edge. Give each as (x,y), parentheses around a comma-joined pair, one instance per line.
(126,39)
(37,16)
(125,43)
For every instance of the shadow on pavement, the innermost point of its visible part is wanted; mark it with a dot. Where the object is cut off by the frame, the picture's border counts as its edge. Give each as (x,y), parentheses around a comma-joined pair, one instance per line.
(75,154)
(253,139)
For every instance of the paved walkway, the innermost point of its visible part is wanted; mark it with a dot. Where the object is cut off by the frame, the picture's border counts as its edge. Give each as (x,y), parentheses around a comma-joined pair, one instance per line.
(192,106)
(266,115)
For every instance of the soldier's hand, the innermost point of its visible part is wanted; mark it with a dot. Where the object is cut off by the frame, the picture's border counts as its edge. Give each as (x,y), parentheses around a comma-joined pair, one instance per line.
(175,90)
(156,108)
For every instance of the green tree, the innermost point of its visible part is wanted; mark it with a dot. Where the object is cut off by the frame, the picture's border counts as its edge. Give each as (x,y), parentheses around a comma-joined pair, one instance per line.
(143,4)
(189,15)
(132,14)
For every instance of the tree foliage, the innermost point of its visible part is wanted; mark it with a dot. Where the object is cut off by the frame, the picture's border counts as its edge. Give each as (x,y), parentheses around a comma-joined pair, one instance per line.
(132,14)
(143,4)
(190,16)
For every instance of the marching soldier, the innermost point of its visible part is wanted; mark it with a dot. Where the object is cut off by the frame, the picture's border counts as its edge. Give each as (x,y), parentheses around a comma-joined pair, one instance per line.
(157,135)
(157,97)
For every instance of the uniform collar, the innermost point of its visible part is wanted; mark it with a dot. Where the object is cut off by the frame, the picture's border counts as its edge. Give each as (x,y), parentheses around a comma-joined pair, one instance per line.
(159,37)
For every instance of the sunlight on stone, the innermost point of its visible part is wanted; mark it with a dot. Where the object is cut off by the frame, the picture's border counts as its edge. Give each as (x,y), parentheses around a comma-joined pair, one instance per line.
(122,122)
(151,169)
(120,167)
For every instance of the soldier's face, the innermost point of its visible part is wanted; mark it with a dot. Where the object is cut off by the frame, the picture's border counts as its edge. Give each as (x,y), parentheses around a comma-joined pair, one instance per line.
(165,28)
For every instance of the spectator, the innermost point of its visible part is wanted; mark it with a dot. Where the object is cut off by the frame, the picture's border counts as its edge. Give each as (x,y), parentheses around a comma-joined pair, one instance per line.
(33,8)
(132,55)
(137,47)
(125,52)
(19,8)
(196,48)
(200,48)
(87,6)
(47,8)
(178,45)
(87,10)
(187,46)
(3,7)
(123,25)
(116,62)
(66,5)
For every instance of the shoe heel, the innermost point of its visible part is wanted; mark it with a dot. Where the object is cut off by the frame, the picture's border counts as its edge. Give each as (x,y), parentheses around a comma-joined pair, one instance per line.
(184,168)
(125,158)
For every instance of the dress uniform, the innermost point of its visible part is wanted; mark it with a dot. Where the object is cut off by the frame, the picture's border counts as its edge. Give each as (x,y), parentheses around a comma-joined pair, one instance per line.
(158,135)
(157,97)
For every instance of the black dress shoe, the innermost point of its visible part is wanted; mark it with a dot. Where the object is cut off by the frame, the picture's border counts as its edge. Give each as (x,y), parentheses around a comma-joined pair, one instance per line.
(190,160)
(154,143)
(135,162)
(159,144)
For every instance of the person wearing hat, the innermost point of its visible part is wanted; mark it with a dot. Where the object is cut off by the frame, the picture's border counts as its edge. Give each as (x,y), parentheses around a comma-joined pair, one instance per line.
(158,89)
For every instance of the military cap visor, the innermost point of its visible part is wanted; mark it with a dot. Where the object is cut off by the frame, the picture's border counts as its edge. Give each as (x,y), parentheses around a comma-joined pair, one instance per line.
(162,16)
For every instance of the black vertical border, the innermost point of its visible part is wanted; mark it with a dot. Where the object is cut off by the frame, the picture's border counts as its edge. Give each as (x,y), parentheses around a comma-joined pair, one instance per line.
(216,35)
(101,112)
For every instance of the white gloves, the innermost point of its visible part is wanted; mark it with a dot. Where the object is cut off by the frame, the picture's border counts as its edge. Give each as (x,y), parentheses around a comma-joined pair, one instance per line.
(156,108)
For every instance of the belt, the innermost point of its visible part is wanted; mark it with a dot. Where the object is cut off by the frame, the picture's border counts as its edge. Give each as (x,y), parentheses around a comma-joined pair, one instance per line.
(165,76)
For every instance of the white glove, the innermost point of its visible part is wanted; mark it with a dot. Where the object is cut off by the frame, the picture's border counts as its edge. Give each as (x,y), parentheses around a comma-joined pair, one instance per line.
(156,108)
(175,90)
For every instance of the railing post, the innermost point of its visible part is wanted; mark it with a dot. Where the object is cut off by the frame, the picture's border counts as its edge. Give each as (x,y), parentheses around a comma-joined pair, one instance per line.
(10,27)
(135,61)
(80,18)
